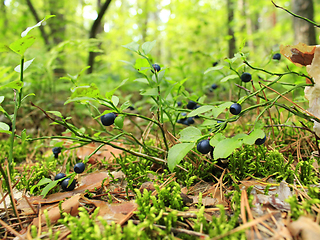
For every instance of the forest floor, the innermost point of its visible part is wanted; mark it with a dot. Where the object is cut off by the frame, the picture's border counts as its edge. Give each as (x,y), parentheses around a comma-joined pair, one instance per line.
(121,196)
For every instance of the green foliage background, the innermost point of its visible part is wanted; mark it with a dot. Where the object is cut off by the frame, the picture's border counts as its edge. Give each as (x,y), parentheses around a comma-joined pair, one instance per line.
(191,35)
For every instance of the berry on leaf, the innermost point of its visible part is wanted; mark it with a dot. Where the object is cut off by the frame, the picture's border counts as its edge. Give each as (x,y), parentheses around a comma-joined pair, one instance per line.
(246,77)
(65,184)
(260,141)
(59,176)
(108,119)
(235,108)
(79,167)
(204,146)
(277,56)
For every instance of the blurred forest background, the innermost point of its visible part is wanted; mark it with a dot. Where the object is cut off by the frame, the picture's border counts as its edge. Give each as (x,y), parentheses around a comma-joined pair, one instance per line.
(192,36)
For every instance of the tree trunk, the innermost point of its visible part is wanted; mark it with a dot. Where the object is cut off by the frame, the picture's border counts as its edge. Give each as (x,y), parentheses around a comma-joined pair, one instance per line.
(94,31)
(232,39)
(304,32)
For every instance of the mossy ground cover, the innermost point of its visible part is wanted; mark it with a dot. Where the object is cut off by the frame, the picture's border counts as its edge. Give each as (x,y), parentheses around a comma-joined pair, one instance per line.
(146,173)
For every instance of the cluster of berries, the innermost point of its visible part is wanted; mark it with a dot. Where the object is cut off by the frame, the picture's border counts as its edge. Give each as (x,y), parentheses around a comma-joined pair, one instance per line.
(65,185)
(78,168)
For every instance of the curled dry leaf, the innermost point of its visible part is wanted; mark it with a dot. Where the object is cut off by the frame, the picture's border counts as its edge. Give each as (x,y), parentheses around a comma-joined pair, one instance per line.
(306,228)
(300,54)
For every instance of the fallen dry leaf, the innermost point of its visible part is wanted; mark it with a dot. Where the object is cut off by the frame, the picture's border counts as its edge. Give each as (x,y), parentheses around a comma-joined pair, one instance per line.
(306,228)
(300,54)
(115,212)
(91,182)
(69,206)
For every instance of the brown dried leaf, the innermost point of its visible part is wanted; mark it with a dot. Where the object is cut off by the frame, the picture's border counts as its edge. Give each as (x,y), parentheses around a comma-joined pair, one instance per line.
(69,206)
(306,228)
(91,182)
(115,212)
(300,54)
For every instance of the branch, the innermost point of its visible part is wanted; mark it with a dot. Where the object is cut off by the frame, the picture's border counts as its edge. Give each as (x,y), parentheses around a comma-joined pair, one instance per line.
(36,17)
(296,15)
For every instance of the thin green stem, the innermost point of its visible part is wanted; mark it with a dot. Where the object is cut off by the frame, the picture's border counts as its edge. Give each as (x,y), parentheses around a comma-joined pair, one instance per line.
(17,100)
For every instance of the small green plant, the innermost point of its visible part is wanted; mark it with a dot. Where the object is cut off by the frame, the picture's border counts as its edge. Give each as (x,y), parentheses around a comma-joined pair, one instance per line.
(300,208)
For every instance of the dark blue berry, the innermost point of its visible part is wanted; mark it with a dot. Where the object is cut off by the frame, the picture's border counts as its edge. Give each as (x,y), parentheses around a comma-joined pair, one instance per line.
(246,77)
(190,120)
(56,151)
(156,67)
(191,105)
(260,141)
(79,167)
(179,104)
(59,176)
(65,184)
(214,86)
(235,108)
(277,56)
(183,121)
(214,64)
(204,146)
(108,119)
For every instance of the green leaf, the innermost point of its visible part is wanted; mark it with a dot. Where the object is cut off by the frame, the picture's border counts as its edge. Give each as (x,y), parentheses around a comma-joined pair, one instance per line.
(125,105)
(115,100)
(213,69)
(190,134)
(23,135)
(21,45)
(233,76)
(28,95)
(221,108)
(226,147)
(25,32)
(132,46)
(48,188)
(56,113)
(177,153)
(253,136)
(147,46)
(81,99)
(119,121)
(25,65)
(110,93)
(200,110)
(209,123)
(43,181)
(150,92)
(4,126)
(1,99)
(142,64)
(142,80)
(91,91)
(16,84)
(216,139)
